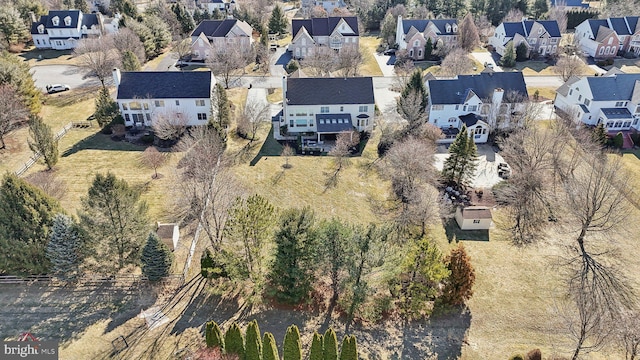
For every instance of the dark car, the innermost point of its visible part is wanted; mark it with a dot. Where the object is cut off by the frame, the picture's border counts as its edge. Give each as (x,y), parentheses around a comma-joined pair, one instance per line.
(55,88)
(390,52)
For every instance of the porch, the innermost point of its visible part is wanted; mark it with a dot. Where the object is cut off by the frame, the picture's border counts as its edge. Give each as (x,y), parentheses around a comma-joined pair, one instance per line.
(309,146)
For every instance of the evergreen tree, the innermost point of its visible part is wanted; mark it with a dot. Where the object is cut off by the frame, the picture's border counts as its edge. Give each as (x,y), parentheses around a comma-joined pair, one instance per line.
(130,61)
(26,216)
(416,83)
(316,352)
(292,348)
(220,111)
(278,22)
(264,35)
(618,141)
(509,57)
(234,341)
(63,249)
(116,220)
(43,141)
(330,345)
(106,107)
(269,347)
(184,18)
(292,271)
(156,258)
(428,49)
(539,8)
(334,240)
(349,351)
(599,135)
(461,164)
(160,32)
(521,52)
(145,35)
(213,335)
(125,7)
(81,5)
(254,342)
(522,5)
(458,287)
(14,71)
(12,28)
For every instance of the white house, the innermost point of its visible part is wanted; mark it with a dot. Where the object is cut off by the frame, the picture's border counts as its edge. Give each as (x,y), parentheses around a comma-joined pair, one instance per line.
(224,6)
(320,108)
(61,29)
(542,37)
(473,217)
(613,100)
(334,32)
(482,102)
(412,35)
(143,96)
(219,34)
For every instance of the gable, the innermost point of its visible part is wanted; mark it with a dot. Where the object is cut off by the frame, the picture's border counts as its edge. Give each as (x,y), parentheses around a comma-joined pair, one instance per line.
(325,26)
(455,91)
(165,85)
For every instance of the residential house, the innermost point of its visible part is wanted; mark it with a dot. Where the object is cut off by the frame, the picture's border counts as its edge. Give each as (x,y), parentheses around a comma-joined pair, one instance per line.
(482,102)
(542,37)
(473,217)
(223,6)
(318,109)
(570,4)
(327,5)
(412,35)
(604,38)
(169,234)
(334,32)
(61,29)
(220,34)
(143,96)
(612,100)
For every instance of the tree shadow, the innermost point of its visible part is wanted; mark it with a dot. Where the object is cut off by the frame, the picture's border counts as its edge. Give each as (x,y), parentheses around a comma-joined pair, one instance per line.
(44,54)
(270,147)
(284,59)
(99,141)
(454,233)
(392,60)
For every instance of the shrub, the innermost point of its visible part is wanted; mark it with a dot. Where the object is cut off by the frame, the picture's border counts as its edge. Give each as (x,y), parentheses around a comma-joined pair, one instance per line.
(210,268)
(636,139)
(147,139)
(213,335)
(292,66)
(617,141)
(516,357)
(534,354)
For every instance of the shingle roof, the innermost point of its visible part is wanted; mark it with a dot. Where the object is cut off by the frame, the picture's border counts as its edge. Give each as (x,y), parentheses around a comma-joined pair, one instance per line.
(214,28)
(89,20)
(571,3)
(34,25)
(564,88)
(524,27)
(476,212)
(454,91)
(333,123)
(603,32)
(61,14)
(323,26)
(617,113)
(551,26)
(632,22)
(619,26)
(321,91)
(419,24)
(470,119)
(441,24)
(165,85)
(618,87)
(595,25)
(512,28)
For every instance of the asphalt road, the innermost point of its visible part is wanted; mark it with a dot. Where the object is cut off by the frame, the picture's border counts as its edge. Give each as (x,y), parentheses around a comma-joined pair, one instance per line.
(61,74)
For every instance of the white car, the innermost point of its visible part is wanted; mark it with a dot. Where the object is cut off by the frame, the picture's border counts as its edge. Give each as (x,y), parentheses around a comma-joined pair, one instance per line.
(52,89)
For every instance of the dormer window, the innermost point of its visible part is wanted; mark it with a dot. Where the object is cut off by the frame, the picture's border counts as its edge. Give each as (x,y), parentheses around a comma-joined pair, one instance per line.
(40,29)
(448,27)
(84,27)
(67,21)
(455,28)
(55,21)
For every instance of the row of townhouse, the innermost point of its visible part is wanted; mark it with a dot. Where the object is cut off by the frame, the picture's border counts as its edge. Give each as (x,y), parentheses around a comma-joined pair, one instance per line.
(604,38)
(61,29)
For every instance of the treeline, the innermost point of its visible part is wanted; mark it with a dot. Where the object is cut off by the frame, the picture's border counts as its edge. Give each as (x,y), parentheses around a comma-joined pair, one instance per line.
(111,232)
(251,346)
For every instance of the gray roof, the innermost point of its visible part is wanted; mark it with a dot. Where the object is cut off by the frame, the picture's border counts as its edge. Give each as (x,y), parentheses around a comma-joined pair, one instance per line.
(333,123)
(329,91)
(323,26)
(455,91)
(470,119)
(619,25)
(616,113)
(421,24)
(572,3)
(165,85)
(595,25)
(524,28)
(610,88)
(88,20)
(214,28)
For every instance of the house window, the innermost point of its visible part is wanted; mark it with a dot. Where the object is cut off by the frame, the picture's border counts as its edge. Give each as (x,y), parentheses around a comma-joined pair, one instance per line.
(202,116)
(127,118)
(416,43)
(134,105)
(437,107)
(365,108)
(457,107)
(609,124)
(579,97)
(145,106)
(148,117)
(473,107)
(626,124)
(55,21)
(419,53)
(618,124)
(324,109)
(476,221)
(159,103)
(485,109)
(570,91)
(67,21)
(635,121)
(291,123)
(41,29)
(587,102)
(177,102)
(619,103)
(601,51)
(638,109)
(199,102)
(124,106)
(341,108)
(610,41)
(452,120)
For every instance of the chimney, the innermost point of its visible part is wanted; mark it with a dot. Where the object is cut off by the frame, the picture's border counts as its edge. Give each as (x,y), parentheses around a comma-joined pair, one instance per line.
(32,16)
(116,77)
(498,93)
(284,97)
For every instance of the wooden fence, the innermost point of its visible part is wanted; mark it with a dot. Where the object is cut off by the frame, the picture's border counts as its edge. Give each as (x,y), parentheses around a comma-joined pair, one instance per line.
(86,280)
(32,160)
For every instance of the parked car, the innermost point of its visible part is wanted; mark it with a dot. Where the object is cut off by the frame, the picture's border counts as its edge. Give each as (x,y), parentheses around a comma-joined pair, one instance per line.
(504,170)
(390,52)
(52,89)
(488,65)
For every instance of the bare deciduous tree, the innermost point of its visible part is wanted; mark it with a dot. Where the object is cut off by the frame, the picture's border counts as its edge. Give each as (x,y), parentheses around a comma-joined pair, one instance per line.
(345,142)
(181,48)
(228,63)
(349,61)
(559,14)
(253,115)
(568,66)
(13,113)
(321,63)
(169,125)
(468,33)
(152,158)
(456,63)
(318,12)
(126,40)
(49,183)
(287,152)
(628,333)
(514,15)
(98,55)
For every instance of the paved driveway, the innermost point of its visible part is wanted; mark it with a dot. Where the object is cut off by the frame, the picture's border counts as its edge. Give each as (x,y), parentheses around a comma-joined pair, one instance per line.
(62,74)
(386,63)
(487,172)
(486,57)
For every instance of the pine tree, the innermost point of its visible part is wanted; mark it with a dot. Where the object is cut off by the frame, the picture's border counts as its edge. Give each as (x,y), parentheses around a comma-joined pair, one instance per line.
(234,341)
(278,22)
(15,72)
(220,111)
(428,49)
(156,258)
(521,52)
(130,61)
(416,83)
(330,345)
(539,8)
(183,16)
(292,348)
(26,216)
(269,348)
(43,141)
(12,28)
(82,6)
(63,249)
(458,287)
(253,342)
(160,32)
(461,164)
(349,350)
(469,164)
(599,135)
(106,107)
(213,335)
(316,352)
(292,272)
(509,57)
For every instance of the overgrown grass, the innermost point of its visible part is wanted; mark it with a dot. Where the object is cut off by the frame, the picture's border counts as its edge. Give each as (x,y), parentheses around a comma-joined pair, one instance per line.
(274,96)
